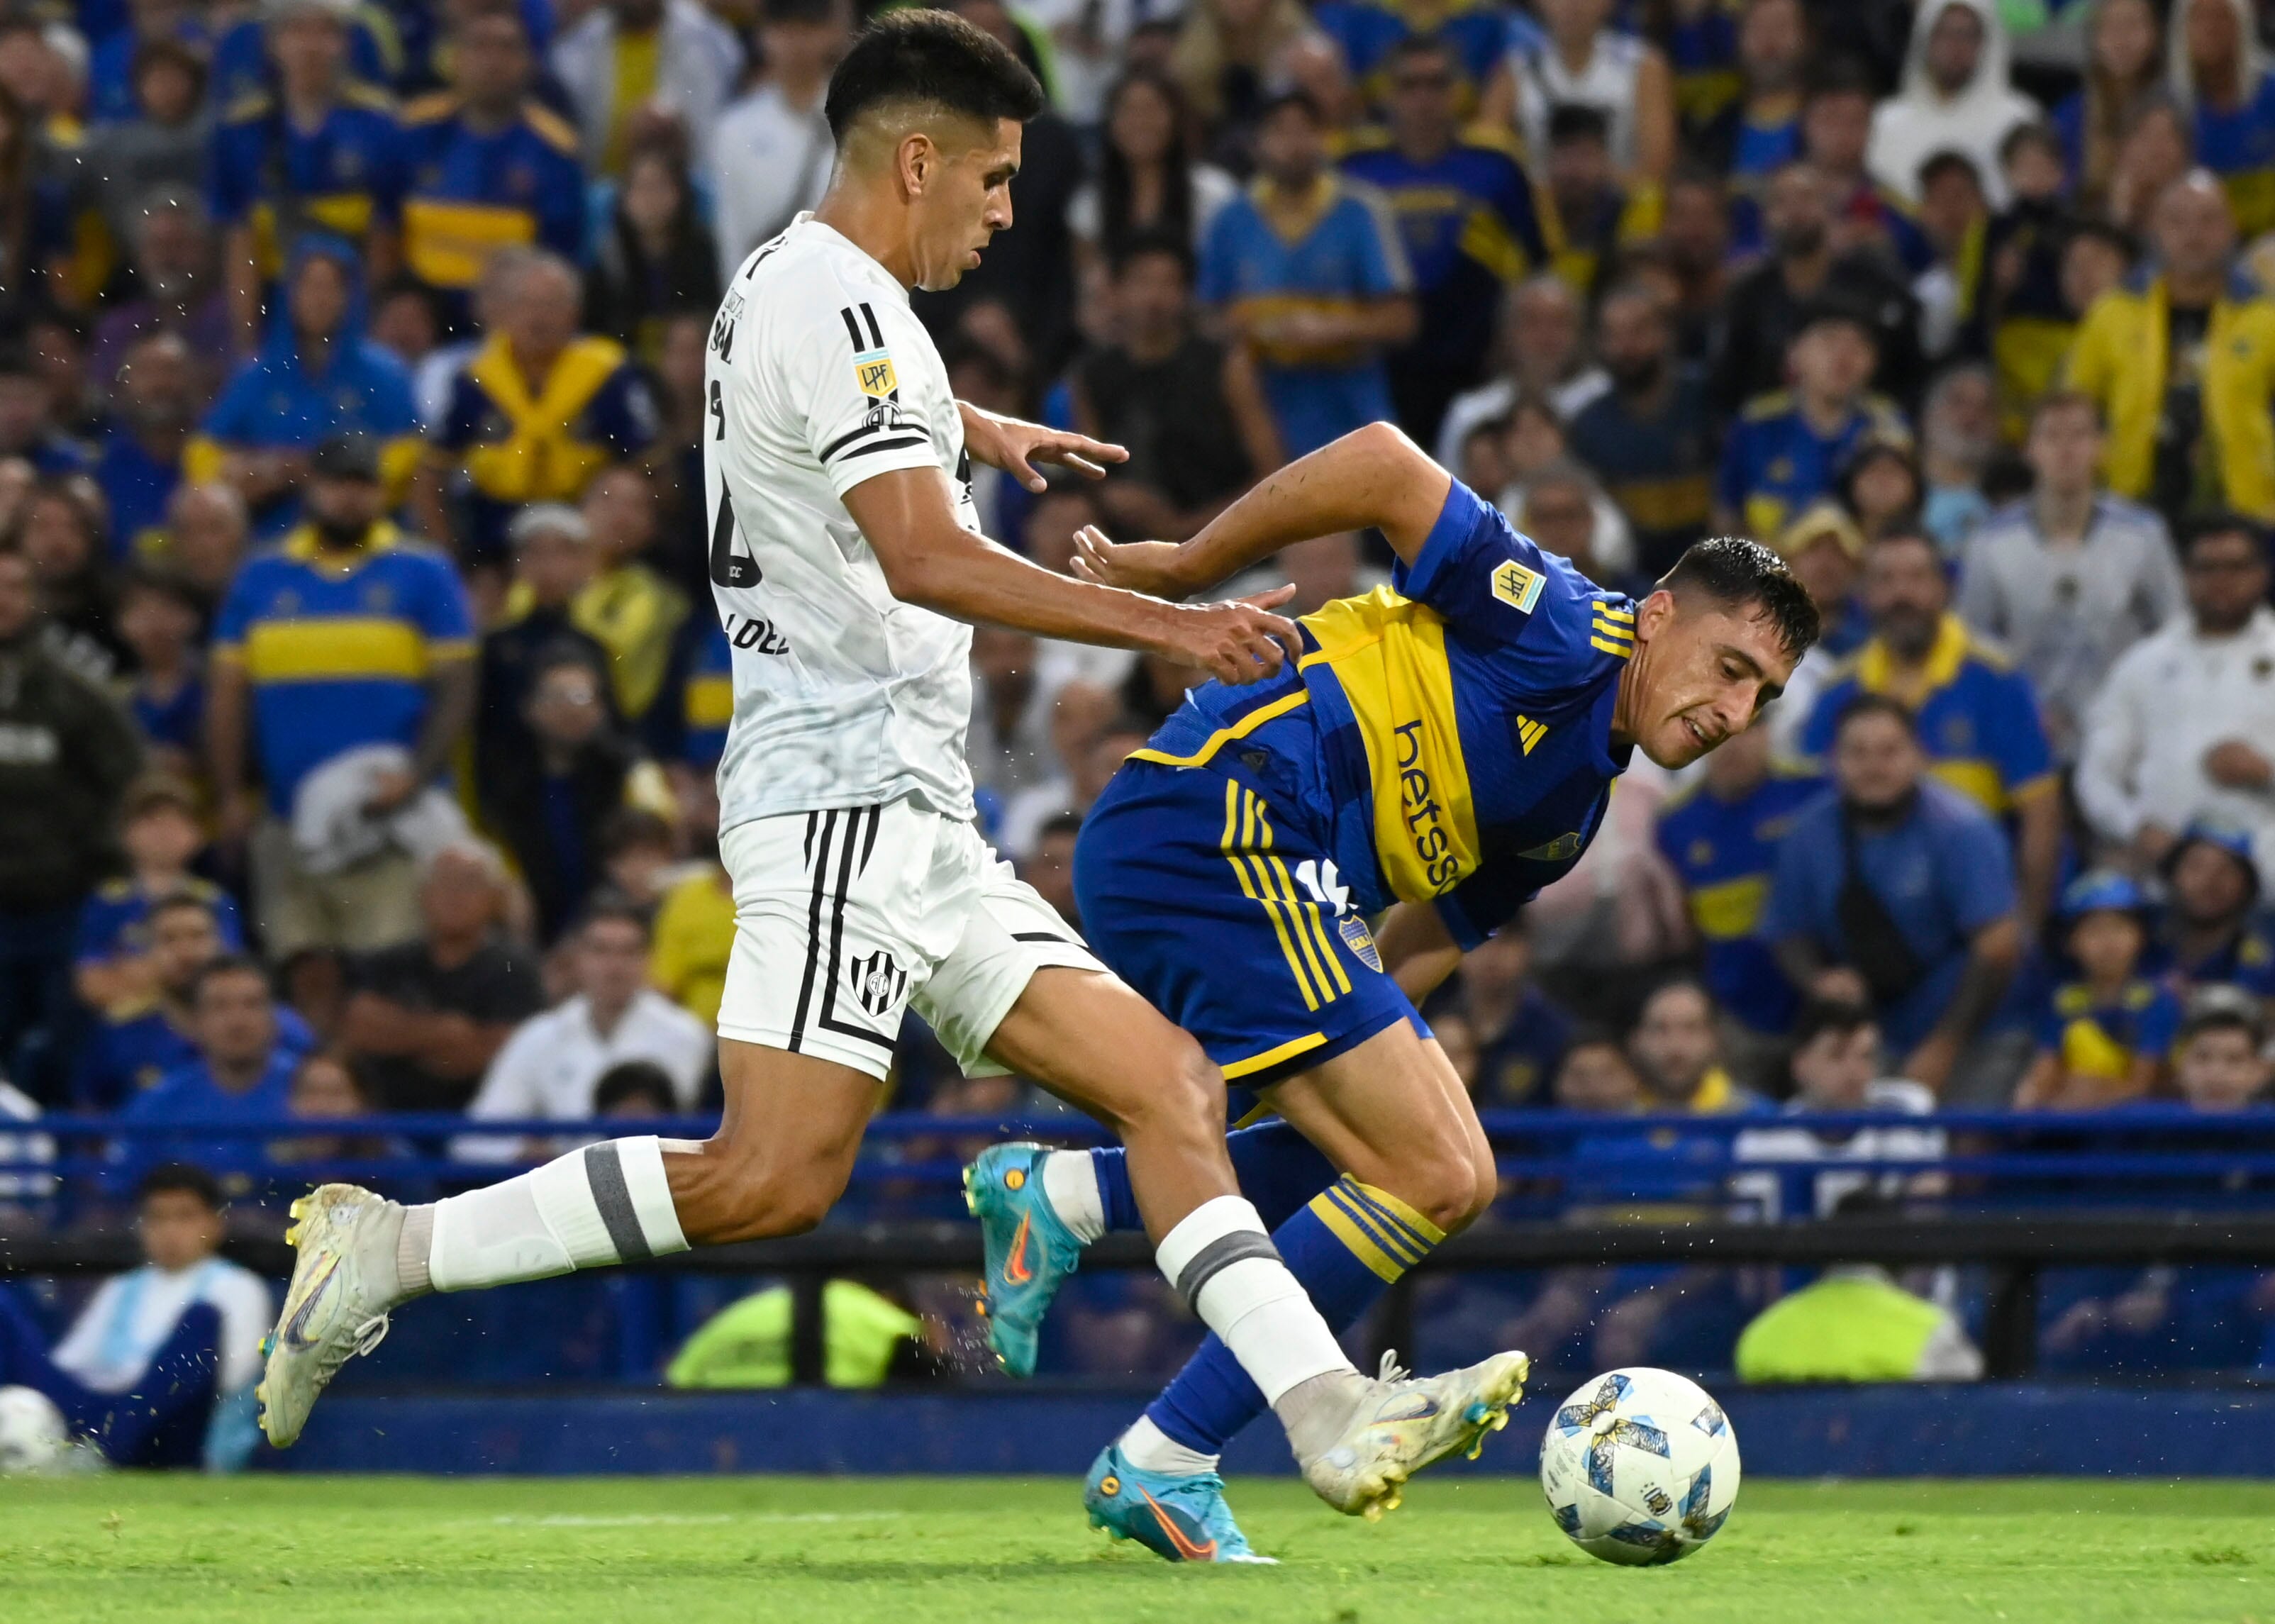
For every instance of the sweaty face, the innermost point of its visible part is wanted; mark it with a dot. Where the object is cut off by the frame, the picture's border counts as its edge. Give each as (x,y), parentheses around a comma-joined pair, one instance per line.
(966,199)
(1708,670)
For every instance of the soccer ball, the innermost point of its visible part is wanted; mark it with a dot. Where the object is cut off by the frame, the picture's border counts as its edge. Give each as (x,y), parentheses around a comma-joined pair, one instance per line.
(32,1436)
(1640,1467)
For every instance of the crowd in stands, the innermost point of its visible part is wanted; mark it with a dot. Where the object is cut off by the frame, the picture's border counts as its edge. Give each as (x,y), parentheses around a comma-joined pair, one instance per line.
(360,693)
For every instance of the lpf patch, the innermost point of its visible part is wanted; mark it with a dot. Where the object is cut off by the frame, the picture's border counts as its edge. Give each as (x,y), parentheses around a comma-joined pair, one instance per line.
(1360,941)
(873,371)
(1518,587)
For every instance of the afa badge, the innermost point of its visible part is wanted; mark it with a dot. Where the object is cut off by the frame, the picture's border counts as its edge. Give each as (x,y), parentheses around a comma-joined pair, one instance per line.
(873,373)
(1518,587)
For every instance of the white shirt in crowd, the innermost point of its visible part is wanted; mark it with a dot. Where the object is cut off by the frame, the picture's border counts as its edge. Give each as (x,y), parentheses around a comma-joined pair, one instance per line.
(548,1069)
(132,1315)
(1846,1158)
(1473,409)
(23,1156)
(697,61)
(1920,121)
(820,378)
(2167,702)
(769,160)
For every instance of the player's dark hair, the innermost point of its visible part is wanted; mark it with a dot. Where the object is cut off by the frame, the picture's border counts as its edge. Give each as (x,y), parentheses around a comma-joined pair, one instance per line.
(1877,705)
(226,964)
(183,1178)
(2207,526)
(633,1079)
(1576,121)
(930,57)
(1745,575)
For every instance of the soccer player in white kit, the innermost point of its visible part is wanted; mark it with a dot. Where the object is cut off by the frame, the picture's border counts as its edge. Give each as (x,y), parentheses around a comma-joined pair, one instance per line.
(847,564)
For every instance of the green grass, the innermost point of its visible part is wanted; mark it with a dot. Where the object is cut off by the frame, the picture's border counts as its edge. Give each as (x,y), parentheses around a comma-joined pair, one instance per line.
(777,1551)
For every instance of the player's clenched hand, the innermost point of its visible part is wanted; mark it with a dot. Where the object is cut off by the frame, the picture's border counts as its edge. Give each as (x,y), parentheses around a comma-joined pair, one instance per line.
(1155,568)
(1236,641)
(1014,446)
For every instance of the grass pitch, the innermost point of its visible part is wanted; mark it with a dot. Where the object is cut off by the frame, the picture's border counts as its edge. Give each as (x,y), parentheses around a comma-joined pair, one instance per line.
(780,1550)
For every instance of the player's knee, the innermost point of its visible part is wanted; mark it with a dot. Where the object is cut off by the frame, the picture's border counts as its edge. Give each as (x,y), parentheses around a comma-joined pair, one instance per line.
(1185,1093)
(1444,1187)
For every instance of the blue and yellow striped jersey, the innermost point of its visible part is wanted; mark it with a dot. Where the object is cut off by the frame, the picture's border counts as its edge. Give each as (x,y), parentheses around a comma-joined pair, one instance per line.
(1726,855)
(1449,736)
(339,658)
(2102,1038)
(344,176)
(1774,463)
(1979,718)
(471,194)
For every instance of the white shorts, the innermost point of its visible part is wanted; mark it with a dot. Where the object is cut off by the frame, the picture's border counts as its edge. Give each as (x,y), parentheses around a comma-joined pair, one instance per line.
(845,918)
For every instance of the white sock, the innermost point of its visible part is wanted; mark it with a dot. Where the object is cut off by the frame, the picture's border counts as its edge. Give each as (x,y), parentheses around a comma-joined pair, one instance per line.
(1222,1262)
(1150,1449)
(1070,1184)
(608,1202)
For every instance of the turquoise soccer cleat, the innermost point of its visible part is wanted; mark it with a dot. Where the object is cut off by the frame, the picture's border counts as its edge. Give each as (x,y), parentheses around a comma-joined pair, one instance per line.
(1184,1519)
(1029,1251)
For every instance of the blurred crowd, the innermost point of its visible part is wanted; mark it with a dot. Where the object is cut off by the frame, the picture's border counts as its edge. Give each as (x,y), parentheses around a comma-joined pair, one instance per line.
(360,693)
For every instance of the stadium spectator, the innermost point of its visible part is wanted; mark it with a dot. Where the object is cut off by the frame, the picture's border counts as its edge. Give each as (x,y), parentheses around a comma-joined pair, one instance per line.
(2155,157)
(1049,866)
(656,260)
(1583,63)
(242,1074)
(772,153)
(538,412)
(2209,935)
(629,607)
(1149,186)
(158,1369)
(1521,1033)
(2220,1061)
(694,938)
(315,150)
(1855,1323)
(325,1091)
(634,1090)
(72,753)
(1898,890)
(1543,357)
(1954,216)
(1763,311)
(2103,1038)
(639,848)
(1561,506)
(1978,717)
(1720,835)
(2181,729)
(1836,1069)
(549,1068)
(423,1019)
(140,464)
(549,806)
(1648,437)
(555,560)
(1189,410)
(27,420)
(2123,79)
(1010,746)
(157,147)
(1759,127)
(2183,368)
(1959,440)
(160,835)
(207,531)
(317,376)
(1677,1051)
(1825,552)
(174,288)
(1955,98)
(627,60)
(1465,211)
(1880,484)
(1590,215)
(1226,57)
(2069,578)
(160,621)
(1309,275)
(1836,128)
(2018,314)
(345,639)
(2219,75)
(60,532)
(1788,447)
(490,167)
(1089,765)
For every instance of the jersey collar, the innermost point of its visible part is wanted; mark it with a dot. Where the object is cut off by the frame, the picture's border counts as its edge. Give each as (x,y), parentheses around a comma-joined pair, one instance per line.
(300,545)
(1875,670)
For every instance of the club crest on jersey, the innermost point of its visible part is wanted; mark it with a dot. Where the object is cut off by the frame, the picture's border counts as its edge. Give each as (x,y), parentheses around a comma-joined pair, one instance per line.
(1518,587)
(1360,941)
(872,372)
(877,982)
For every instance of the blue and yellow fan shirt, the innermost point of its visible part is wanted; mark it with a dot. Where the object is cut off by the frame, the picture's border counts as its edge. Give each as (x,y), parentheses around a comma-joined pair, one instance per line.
(471,194)
(1978,716)
(1774,463)
(339,658)
(1725,853)
(2104,1037)
(1449,736)
(347,176)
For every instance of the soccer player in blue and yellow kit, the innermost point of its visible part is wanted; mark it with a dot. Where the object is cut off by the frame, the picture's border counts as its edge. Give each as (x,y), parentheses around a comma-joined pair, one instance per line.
(1445,747)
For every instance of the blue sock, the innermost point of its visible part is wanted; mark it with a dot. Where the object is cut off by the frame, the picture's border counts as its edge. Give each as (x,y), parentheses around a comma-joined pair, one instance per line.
(1344,1247)
(1278,1170)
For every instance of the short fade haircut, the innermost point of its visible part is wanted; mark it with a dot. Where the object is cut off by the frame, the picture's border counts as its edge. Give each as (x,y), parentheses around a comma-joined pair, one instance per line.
(1746,576)
(183,1178)
(933,57)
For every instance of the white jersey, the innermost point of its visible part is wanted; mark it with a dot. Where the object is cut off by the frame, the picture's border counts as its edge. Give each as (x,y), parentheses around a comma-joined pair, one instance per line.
(1607,84)
(819,377)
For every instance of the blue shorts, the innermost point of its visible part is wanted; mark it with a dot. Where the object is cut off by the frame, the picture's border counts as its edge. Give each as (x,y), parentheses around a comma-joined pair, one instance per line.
(1229,922)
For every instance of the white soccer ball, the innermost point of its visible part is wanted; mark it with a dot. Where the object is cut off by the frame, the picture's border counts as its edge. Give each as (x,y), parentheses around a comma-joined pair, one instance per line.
(1640,1467)
(32,1436)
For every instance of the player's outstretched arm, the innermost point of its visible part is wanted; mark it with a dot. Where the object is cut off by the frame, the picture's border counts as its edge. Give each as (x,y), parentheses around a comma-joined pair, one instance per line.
(1015,445)
(932,562)
(1374,477)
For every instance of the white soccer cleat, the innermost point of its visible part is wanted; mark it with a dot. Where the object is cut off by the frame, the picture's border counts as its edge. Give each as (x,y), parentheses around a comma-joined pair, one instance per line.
(331,1313)
(1404,1424)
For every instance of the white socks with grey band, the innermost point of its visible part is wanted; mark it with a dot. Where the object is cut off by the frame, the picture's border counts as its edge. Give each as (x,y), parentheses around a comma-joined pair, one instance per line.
(1222,1263)
(608,1202)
